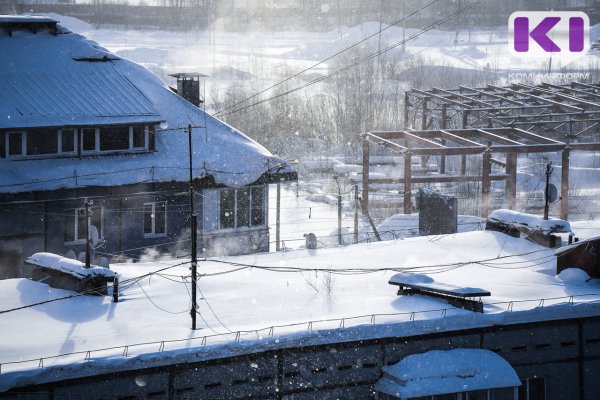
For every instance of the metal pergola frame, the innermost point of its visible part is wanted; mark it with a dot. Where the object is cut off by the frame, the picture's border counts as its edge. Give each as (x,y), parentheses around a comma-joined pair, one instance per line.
(464,142)
(568,112)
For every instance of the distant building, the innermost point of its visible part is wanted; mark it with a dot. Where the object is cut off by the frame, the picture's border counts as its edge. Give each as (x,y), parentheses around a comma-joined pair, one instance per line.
(78,122)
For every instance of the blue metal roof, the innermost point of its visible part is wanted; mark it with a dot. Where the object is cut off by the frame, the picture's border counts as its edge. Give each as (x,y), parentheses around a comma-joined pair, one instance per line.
(69,92)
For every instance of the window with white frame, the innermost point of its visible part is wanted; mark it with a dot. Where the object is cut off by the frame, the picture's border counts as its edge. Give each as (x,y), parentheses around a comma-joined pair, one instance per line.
(75,224)
(155,219)
(71,141)
(89,140)
(15,143)
(67,141)
(41,142)
(242,207)
(139,137)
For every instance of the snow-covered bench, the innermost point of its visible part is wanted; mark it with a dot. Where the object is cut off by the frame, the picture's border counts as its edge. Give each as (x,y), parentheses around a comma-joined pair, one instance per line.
(461,297)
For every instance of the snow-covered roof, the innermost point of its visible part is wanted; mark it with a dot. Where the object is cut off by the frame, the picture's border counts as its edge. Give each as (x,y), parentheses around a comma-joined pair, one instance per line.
(530,221)
(63,264)
(26,19)
(447,371)
(284,291)
(49,80)
(569,247)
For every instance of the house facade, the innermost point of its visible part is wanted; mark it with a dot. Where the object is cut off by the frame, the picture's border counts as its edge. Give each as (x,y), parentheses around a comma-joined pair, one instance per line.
(80,125)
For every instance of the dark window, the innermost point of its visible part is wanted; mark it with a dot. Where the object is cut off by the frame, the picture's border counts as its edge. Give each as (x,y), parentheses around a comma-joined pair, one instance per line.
(532,389)
(69,227)
(139,137)
(67,137)
(227,203)
(114,138)
(477,395)
(15,143)
(81,224)
(2,144)
(243,207)
(155,218)
(450,396)
(148,218)
(42,142)
(537,389)
(75,223)
(502,394)
(257,207)
(88,139)
(160,218)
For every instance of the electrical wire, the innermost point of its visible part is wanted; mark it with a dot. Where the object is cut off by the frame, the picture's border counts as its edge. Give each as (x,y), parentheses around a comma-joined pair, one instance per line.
(410,15)
(352,65)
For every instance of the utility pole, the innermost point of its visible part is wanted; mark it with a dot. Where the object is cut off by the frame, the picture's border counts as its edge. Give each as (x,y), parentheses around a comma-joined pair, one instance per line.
(339,207)
(87,234)
(278,217)
(356,206)
(549,171)
(193,227)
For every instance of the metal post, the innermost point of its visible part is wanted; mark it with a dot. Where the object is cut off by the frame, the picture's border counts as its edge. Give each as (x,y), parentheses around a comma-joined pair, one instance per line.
(340,240)
(443,126)
(424,115)
(194,309)
(406,105)
(365,176)
(407,183)
(486,183)
(116,289)
(87,235)
(546,191)
(564,183)
(511,180)
(278,218)
(193,231)
(355,214)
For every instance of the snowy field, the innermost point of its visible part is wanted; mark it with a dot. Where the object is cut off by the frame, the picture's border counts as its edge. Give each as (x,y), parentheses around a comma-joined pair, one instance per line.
(271,298)
(260,58)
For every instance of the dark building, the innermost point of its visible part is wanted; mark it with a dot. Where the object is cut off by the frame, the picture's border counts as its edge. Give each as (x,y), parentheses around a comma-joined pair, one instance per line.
(77,122)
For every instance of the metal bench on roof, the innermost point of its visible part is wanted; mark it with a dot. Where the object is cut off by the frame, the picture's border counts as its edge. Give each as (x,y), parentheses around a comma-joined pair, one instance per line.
(460,297)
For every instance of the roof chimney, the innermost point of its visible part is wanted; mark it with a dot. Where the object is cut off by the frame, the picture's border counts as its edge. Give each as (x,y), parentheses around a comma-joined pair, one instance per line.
(188,86)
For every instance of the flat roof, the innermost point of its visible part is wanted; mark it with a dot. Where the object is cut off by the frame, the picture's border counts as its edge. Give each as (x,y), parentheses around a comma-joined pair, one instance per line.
(25,19)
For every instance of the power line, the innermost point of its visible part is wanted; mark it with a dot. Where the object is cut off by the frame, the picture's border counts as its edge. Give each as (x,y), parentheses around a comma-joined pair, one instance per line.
(350,66)
(93,290)
(328,58)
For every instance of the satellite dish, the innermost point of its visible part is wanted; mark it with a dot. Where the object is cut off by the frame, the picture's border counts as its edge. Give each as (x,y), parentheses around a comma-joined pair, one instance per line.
(94,236)
(104,263)
(552,193)
(71,255)
(81,257)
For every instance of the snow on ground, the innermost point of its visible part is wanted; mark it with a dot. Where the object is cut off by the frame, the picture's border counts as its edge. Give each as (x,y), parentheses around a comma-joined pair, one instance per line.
(265,56)
(281,289)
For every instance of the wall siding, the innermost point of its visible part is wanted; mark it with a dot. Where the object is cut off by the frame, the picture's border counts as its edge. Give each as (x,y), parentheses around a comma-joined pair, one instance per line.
(349,370)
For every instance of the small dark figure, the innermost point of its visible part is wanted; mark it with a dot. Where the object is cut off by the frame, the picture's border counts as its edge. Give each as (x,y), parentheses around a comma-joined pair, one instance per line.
(311,241)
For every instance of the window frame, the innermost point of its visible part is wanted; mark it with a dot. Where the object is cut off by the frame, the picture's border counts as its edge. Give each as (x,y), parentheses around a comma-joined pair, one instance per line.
(57,133)
(146,145)
(75,141)
(96,141)
(154,234)
(23,144)
(249,206)
(76,240)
